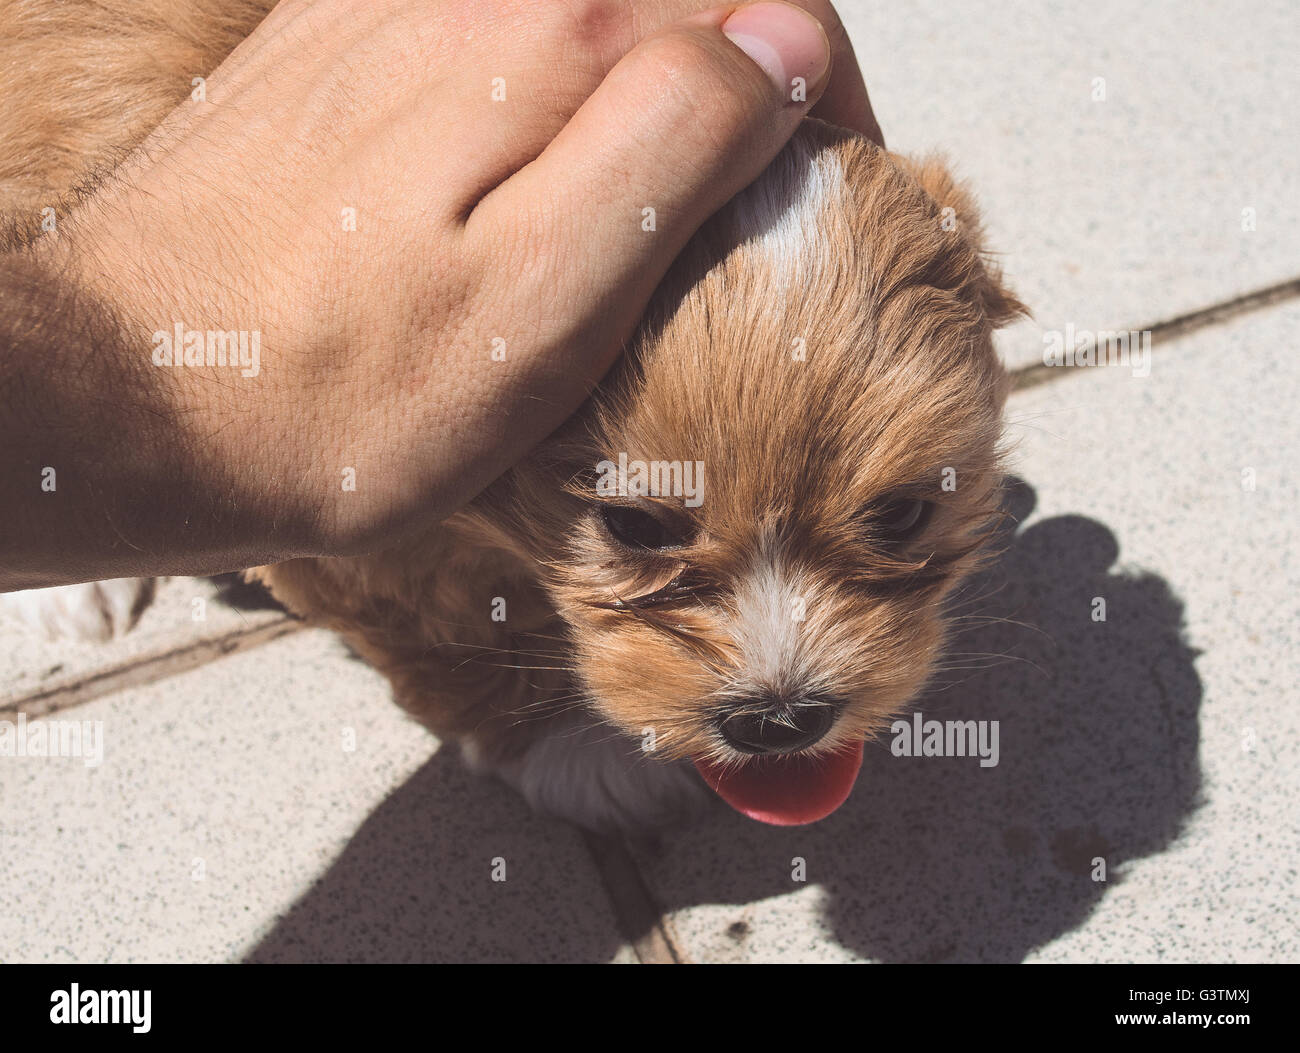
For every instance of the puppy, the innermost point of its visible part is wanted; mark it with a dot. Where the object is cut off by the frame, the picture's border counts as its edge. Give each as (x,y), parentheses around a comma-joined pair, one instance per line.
(730,568)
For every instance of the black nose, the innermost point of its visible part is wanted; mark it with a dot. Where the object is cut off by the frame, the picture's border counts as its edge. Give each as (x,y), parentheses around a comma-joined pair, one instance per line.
(777,725)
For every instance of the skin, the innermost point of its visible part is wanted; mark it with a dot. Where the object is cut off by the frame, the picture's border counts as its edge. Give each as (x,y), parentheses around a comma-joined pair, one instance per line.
(475,220)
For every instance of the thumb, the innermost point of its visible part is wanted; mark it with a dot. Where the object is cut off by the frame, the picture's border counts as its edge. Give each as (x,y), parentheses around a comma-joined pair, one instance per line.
(688,118)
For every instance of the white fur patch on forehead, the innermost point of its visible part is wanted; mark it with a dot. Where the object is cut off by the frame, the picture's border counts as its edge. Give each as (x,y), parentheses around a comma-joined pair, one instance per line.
(782,214)
(770,611)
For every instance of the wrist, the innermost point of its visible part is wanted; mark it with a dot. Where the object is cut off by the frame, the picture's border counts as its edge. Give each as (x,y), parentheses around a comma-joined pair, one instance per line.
(181,461)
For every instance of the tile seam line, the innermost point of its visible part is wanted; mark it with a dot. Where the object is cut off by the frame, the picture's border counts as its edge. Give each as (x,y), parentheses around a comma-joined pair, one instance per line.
(640,918)
(1037,374)
(145,670)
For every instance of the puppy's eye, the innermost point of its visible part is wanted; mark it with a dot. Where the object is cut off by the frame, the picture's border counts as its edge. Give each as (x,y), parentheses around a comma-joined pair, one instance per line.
(901,519)
(637,529)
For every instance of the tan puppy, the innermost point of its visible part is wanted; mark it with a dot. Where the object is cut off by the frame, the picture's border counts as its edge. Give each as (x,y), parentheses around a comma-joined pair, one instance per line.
(730,568)
(816,405)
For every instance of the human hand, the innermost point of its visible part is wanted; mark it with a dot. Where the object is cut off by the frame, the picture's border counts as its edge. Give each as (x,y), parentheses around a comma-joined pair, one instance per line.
(498,161)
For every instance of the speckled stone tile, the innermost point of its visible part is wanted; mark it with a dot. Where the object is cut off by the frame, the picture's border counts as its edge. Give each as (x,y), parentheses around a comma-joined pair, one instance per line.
(185,611)
(1162,742)
(1108,213)
(228,821)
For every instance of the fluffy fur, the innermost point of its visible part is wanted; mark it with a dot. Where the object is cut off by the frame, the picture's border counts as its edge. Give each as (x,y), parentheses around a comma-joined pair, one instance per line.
(839,246)
(822,347)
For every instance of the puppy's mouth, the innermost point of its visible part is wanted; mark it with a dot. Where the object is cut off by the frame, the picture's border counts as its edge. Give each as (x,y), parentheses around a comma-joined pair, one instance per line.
(788,790)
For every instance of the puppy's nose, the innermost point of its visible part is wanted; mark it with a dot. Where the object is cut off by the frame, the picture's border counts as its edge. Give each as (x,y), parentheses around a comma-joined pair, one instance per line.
(778,726)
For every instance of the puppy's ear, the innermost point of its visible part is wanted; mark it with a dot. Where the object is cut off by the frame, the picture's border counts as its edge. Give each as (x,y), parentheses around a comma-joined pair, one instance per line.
(1000,304)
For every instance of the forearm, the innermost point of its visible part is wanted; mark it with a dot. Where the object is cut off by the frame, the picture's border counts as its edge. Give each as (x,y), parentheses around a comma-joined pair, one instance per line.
(113,466)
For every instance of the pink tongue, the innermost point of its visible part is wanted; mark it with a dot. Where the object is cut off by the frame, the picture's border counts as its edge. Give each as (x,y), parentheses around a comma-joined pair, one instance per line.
(787,791)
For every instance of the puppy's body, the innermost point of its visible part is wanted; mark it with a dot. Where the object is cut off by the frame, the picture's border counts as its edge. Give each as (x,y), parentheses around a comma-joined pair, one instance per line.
(822,350)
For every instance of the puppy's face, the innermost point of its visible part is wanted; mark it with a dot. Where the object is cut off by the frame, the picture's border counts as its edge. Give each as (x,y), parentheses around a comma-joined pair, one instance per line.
(797,463)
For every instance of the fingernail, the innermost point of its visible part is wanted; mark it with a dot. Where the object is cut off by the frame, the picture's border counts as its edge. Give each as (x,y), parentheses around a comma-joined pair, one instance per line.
(786,42)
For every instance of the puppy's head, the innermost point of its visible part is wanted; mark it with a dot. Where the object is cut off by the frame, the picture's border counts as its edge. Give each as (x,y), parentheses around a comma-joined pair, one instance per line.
(795,465)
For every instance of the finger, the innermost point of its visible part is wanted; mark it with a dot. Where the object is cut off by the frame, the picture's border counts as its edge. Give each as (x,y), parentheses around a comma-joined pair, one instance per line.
(538,63)
(687,119)
(845,101)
